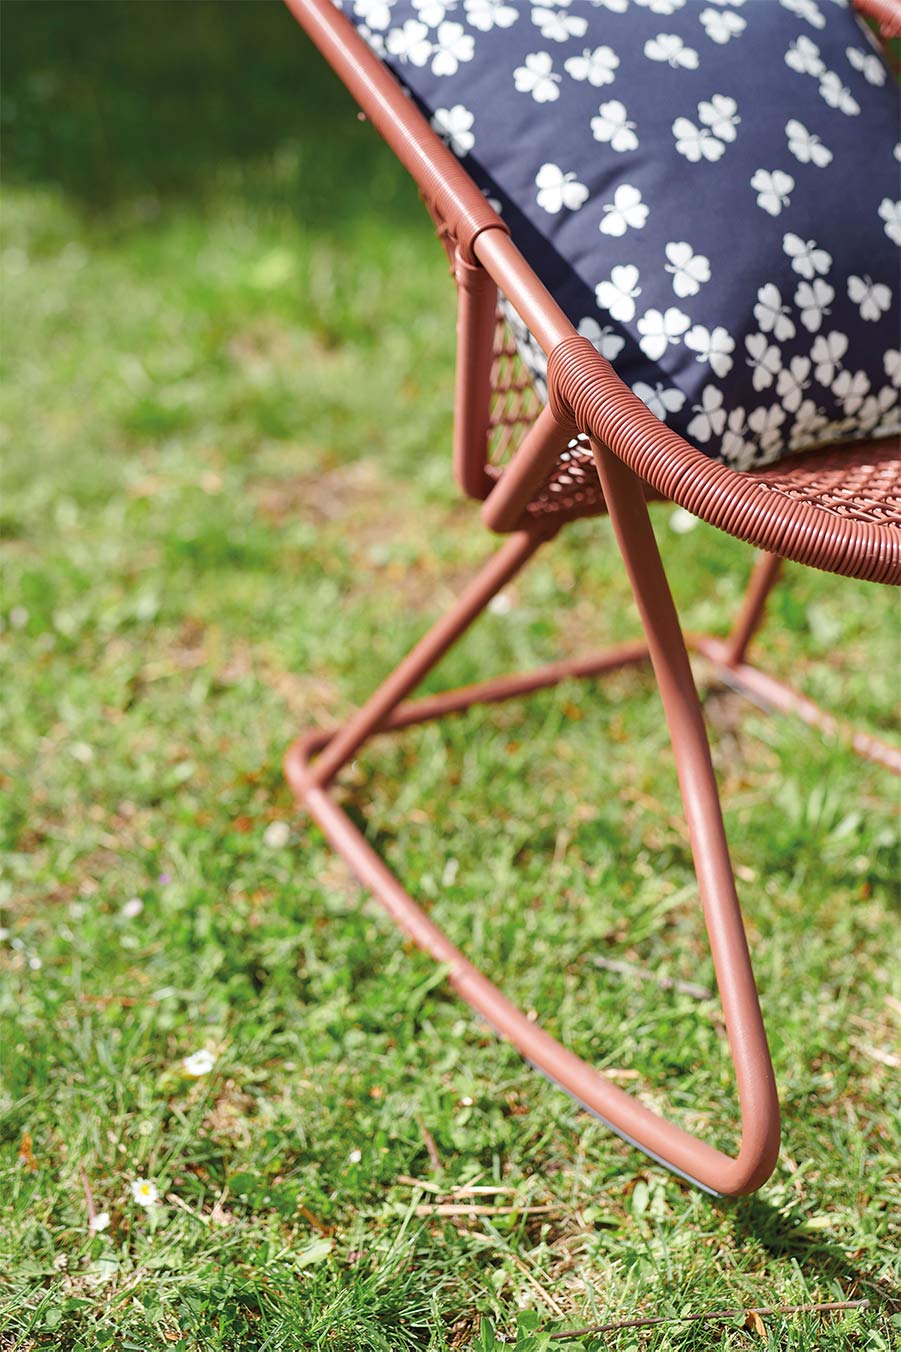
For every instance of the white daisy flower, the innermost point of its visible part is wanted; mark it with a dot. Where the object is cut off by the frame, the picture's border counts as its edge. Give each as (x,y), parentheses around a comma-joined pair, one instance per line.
(557,190)
(355,1156)
(617,296)
(277,835)
(198,1063)
(537,77)
(613,126)
(659,329)
(598,67)
(144,1191)
(714,346)
(874,298)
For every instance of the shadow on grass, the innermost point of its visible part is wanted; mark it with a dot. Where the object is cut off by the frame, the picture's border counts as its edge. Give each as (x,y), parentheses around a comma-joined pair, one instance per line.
(753,1218)
(120,103)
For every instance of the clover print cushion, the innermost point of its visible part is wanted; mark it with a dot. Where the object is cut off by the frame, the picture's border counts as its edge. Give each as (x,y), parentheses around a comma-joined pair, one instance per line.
(708,187)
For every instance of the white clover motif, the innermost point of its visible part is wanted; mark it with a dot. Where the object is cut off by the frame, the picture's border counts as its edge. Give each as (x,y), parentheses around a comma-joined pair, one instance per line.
(537,77)
(806,259)
(625,212)
(806,146)
(710,416)
(598,67)
(722,25)
(453,45)
(804,56)
(808,426)
(837,95)
(558,27)
(617,296)
(890,213)
(764,359)
(612,125)
(806,9)
(484,15)
(792,381)
(868,63)
(664,7)
(813,300)
(659,329)
(765,423)
(454,126)
(658,398)
(714,346)
(773,189)
(891,362)
(874,299)
(410,43)
(772,315)
(432,12)
(850,389)
(688,270)
(375,13)
(827,352)
(720,114)
(670,48)
(604,340)
(557,189)
(696,143)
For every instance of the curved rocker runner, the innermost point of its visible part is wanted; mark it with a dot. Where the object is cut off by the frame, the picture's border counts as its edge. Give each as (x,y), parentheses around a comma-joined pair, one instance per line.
(595,447)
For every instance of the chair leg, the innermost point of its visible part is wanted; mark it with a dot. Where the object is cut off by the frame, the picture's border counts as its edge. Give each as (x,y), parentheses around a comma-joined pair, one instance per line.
(309,776)
(728,657)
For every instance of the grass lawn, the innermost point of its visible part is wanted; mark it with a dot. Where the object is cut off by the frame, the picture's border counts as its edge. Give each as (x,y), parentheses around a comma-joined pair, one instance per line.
(227,510)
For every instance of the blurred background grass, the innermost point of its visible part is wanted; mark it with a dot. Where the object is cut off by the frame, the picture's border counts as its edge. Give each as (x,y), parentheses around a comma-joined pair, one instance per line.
(227,509)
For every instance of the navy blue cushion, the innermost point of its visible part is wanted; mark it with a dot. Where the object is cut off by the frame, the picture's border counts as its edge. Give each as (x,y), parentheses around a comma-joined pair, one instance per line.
(708,188)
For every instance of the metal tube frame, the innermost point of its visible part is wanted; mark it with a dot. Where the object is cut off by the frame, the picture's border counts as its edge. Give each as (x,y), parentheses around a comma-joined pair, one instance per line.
(632,450)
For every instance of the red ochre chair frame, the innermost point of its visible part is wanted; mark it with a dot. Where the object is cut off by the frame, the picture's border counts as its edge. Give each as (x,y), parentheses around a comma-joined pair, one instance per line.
(596,448)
